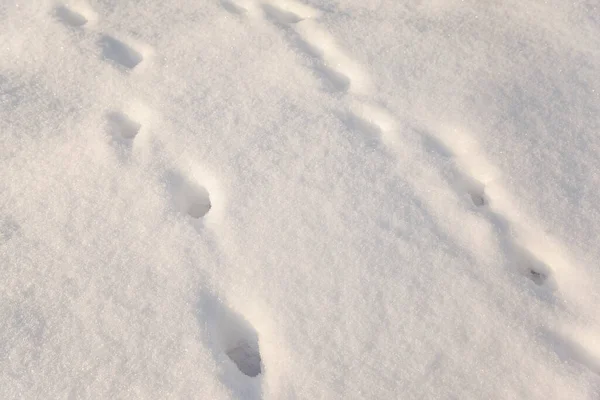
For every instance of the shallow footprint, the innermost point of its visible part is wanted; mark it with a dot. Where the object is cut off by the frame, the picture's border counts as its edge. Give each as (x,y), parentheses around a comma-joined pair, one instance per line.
(70,17)
(532,267)
(119,52)
(189,196)
(281,16)
(232,7)
(121,126)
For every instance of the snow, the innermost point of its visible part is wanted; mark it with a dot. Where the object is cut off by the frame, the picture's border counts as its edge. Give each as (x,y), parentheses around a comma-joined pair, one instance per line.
(246,199)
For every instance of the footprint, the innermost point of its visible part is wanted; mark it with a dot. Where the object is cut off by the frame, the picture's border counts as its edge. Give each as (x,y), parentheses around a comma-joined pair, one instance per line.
(233,8)
(322,46)
(376,125)
(371,131)
(70,17)
(232,336)
(246,357)
(334,81)
(122,130)
(289,11)
(281,16)
(121,127)
(339,71)
(531,267)
(189,196)
(476,191)
(119,52)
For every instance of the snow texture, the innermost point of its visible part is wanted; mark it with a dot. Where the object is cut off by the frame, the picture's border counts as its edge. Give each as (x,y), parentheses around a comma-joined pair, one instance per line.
(299,199)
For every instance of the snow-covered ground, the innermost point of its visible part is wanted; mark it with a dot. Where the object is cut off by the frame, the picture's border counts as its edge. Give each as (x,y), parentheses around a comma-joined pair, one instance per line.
(285,199)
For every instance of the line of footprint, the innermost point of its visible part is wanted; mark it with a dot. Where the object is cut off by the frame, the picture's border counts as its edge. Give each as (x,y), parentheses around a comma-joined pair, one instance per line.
(531,254)
(345,76)
(188,185)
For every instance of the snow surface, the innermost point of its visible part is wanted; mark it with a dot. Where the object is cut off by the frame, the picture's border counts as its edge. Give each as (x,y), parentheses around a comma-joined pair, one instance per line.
(281,199)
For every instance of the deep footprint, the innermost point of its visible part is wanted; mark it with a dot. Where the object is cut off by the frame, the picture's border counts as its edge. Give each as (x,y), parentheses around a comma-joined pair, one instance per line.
(246,357)
(119,52)
(233,335)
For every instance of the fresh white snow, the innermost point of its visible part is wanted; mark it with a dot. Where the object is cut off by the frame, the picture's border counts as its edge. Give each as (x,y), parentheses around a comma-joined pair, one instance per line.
(285,199)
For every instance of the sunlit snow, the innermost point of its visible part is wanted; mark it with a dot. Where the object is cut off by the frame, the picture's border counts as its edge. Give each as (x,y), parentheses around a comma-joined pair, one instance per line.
(300,199)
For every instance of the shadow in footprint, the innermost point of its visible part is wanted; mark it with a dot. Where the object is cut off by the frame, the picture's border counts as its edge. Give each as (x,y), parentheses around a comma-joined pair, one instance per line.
(280,16)
(232,7)
(69,17)
(476,191)
(190,197)
(370,131)
(122,130)
(235,344)
(432,144)
(121,127)
(521,259)
(334,81)
(119,52)
(233,335)
(536,270)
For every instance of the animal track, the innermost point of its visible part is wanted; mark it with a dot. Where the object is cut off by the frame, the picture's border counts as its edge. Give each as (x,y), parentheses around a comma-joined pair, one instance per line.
(476,191)
(469,173)
(281,16)
(233,7)
(531,267)
(334,80)
(289,11)
(189,196)
(70,17)
(123,130)
(320,44)
(374,123)
(232,335)
(121,127)
(119,52)
(340,73)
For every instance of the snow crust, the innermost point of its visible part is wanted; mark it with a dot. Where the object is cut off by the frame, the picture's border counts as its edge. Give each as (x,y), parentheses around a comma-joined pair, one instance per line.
(247,199)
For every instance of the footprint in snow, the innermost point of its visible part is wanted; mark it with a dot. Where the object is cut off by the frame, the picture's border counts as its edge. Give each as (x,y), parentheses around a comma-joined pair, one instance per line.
(281,16)
(122,129)
(232,7)
(475,190)
(189,195)
(529,265)
(119,52)
(70,17)
(232,336)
